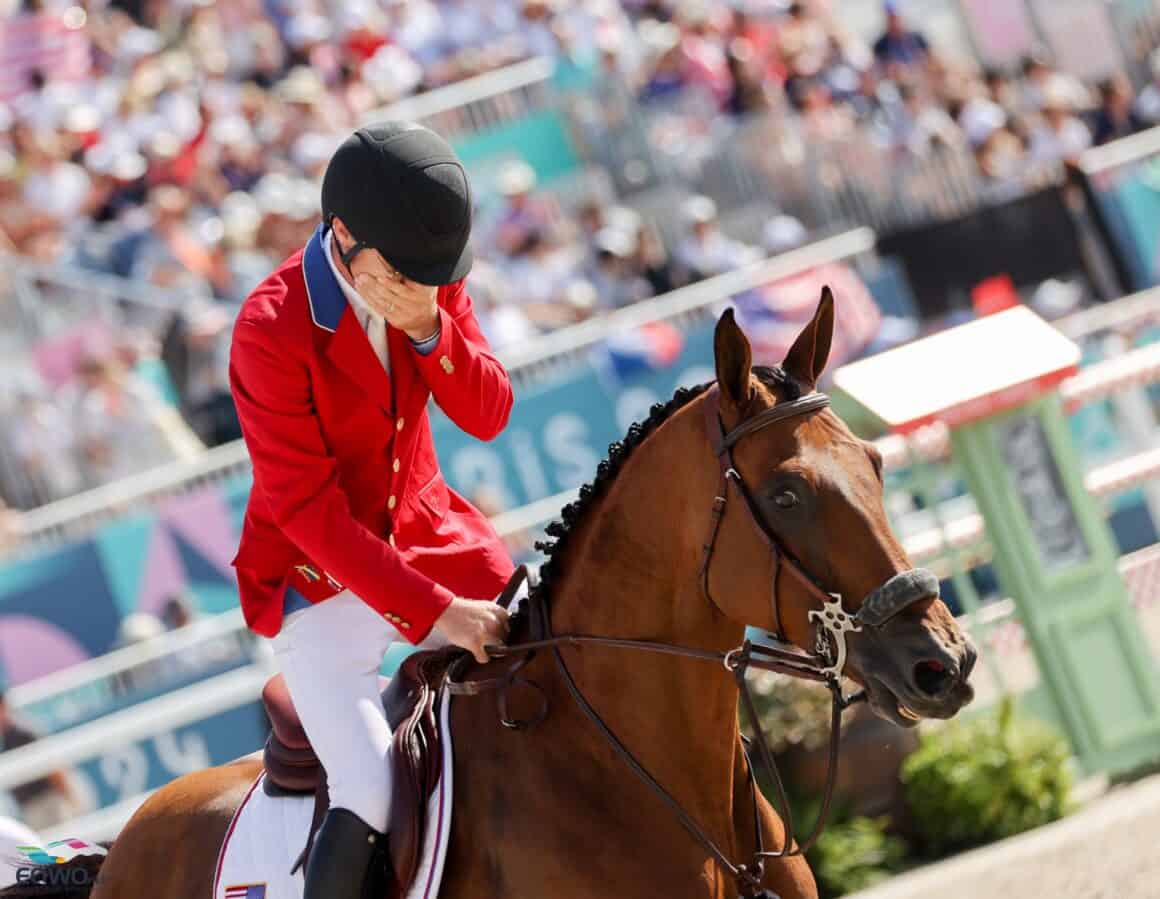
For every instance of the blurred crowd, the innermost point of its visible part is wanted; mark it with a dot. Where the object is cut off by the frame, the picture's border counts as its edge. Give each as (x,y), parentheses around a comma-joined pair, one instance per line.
(179,143)
(896,92)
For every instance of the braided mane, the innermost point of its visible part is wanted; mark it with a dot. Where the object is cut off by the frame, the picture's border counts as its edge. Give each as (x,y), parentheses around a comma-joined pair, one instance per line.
(572,514)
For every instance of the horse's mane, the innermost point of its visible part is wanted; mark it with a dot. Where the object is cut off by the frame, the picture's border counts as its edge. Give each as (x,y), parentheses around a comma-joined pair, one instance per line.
(572,514)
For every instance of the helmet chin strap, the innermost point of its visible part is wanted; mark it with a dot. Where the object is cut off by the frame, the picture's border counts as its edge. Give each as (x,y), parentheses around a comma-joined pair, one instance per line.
(347,256)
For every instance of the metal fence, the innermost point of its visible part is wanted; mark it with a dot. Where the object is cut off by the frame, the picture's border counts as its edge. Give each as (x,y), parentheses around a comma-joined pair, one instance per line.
(773,160)
(79,515)
(478,104)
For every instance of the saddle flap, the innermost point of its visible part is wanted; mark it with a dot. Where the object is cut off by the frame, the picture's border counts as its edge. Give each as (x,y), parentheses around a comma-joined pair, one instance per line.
(411,702)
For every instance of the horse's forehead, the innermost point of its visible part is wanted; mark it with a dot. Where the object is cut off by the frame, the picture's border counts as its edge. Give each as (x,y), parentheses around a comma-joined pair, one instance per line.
(836,457)
(827,453)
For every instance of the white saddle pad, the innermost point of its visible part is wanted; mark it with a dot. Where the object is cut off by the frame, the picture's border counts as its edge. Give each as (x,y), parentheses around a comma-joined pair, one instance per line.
(267,835)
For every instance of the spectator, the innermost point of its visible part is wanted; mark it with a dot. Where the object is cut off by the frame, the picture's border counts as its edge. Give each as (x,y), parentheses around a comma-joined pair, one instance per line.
(1148,104)
(524,213)
(614,275)
(703,51)
(980,116)
(1001,158)
(123,427)
(54,186)
(1061,136)
(48,800)
(666,77)
(137,628)
(921,125)
(706,251)
(504,323)
(43,443)
(179,610)
(782,233)
(1116,117)
(1041,79)
(823,120)
(172,254)
(195,351)
(804,45)
(747,93)
(899,48)
(537,273)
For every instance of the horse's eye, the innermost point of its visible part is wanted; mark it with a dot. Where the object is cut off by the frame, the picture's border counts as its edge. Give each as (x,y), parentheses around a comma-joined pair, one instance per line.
(786,499)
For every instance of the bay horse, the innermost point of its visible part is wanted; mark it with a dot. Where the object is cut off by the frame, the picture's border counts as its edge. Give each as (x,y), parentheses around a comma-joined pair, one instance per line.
(554,810)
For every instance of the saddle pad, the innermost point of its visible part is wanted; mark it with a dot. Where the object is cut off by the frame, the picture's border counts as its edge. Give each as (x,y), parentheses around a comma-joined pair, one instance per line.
(267,834)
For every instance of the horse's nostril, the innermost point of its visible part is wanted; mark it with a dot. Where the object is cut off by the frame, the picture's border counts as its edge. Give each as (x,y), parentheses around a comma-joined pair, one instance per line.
(932,677)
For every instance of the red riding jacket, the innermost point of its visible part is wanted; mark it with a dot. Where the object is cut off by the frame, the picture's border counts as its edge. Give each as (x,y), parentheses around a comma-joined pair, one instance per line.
(347,489)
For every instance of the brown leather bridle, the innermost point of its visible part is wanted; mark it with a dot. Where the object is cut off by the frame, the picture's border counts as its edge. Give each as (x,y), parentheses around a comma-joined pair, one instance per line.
(824,665)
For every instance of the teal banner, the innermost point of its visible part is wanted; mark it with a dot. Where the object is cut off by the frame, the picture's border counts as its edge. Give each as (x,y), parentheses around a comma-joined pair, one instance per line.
(1128,200)
(560,431)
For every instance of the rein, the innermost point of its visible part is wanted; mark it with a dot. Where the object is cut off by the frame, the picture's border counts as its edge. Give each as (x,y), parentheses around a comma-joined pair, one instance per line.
(824,665)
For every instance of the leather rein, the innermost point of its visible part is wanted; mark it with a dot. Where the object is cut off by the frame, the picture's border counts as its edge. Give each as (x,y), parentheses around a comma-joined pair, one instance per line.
(824,665)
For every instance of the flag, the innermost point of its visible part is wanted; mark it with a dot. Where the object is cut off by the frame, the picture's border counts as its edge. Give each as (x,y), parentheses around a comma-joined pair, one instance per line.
(773,315)
(651,347)
(246,891)
(52,45)
(60,852)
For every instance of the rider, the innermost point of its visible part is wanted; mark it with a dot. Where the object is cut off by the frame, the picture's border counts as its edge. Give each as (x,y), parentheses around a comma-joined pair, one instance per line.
(352,538)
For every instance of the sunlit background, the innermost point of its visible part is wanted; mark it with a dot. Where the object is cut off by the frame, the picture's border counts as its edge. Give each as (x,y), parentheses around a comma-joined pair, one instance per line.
(636,166)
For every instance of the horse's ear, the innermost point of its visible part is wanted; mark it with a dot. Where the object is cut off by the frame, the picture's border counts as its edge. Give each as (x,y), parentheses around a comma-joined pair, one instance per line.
(734,359)
(806,359)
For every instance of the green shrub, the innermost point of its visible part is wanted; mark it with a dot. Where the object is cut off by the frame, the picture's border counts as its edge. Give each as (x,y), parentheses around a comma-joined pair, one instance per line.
(978,781)
(793,712)
(853,855)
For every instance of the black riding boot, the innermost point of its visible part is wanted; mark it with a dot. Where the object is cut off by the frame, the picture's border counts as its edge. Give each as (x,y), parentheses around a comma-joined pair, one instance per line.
(348,859)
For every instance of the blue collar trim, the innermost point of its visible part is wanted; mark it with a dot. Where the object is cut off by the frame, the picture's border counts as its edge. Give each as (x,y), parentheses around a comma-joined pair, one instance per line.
(323,292)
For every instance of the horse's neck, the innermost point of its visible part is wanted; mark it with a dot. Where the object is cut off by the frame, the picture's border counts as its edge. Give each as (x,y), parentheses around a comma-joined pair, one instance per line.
(631,571)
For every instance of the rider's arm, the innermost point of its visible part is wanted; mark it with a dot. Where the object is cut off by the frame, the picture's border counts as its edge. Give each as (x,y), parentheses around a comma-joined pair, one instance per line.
(298,478)
(467,381)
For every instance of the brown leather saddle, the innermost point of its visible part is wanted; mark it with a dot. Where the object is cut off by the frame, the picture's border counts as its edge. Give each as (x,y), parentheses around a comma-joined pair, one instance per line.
(411,701)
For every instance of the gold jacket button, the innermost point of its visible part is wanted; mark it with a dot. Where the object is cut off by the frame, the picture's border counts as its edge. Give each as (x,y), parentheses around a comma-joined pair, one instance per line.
(395,466)
(391,502)
(448,365)
(405,625)
(391,540)
(399,425)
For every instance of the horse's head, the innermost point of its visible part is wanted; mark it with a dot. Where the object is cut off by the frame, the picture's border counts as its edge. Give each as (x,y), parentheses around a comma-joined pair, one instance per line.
(816,489)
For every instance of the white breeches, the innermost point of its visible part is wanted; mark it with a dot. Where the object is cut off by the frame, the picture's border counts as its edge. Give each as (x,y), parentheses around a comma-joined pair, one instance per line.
(330,655)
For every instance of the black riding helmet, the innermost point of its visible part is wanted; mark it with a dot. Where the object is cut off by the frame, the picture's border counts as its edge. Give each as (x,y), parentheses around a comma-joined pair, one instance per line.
(400,189)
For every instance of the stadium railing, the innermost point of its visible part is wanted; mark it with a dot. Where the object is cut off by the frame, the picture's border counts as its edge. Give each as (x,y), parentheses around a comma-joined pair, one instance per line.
(78,515)
(40,302)
(477,104)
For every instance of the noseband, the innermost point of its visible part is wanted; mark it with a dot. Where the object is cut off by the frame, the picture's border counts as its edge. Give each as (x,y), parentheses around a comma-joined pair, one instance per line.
(824,665)
(832,621)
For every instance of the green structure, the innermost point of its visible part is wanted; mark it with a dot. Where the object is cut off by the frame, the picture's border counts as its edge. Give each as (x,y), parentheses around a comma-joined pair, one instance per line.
(994,383)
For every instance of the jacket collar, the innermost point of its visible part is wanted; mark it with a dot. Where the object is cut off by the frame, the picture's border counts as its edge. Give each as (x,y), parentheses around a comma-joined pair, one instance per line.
(323,293)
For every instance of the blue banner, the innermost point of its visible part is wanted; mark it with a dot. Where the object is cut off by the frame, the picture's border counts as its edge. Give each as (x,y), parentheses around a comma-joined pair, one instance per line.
(560,431)
(125,771)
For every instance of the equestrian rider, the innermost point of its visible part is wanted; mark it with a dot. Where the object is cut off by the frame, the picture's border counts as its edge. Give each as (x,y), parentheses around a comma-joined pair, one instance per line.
(351,537)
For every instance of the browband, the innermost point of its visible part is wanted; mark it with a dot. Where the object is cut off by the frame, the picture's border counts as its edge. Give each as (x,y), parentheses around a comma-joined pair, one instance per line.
(811,402)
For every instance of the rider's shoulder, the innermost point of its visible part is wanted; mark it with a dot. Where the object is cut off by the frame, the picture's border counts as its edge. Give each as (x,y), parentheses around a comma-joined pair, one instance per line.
(278,305)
